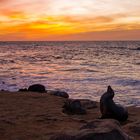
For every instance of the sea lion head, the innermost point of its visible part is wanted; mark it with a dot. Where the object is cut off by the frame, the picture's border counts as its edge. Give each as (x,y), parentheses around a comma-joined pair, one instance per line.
(110,92)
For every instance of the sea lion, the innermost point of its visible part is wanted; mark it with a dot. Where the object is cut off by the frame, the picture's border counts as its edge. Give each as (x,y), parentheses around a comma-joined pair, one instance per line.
(109,109)
(73,106)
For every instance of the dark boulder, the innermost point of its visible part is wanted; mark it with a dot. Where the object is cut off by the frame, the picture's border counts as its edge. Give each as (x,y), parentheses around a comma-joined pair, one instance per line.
(58,93)
(135,128)
(62,137)
(138,49)
(107,129)
(73,107)
(37,88)
(23,90)
(2,90)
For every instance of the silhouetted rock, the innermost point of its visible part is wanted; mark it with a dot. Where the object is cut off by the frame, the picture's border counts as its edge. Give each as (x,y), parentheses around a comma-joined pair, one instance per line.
(73,107)
(2,90)
(23,90)
(58,93)
(109,109)
(62,137)
(135,128)
(37,88)
(138,49)
(96,130)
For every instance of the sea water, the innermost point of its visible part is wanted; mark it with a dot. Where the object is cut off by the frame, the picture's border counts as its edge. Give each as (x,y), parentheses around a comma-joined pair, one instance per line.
(83,69)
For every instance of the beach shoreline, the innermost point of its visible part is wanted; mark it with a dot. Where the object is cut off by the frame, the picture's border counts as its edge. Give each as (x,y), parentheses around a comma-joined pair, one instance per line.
(28,115)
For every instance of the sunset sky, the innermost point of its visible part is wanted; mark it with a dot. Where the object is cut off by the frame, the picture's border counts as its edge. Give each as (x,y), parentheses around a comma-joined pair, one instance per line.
(69,20)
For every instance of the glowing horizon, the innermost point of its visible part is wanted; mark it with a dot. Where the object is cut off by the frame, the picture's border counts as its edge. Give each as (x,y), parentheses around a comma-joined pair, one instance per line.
(69,20)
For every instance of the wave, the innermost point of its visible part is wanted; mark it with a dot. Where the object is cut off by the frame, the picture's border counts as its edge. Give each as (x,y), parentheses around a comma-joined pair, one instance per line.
(128,82)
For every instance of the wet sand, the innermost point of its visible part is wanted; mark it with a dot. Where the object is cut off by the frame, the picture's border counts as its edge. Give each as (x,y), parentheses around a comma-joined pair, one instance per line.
(35,116)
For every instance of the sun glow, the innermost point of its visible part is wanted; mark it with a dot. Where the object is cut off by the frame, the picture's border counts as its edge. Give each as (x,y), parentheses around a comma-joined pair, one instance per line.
(23,20)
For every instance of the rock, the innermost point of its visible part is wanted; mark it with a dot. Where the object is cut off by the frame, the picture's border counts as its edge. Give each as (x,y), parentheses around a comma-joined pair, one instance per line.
(135,128)
(37,88)
(62,137)
(23,90)
(73,107)
(138,49)
(2,90)
(109,109)
(107,129)
(58,93)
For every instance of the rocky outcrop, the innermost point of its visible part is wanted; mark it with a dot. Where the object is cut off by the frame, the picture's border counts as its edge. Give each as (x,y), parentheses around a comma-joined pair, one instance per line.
(63,137)
(96,130)
(135,128)
(138,49)
(73,107)
(37,88)
(23,90)
(58,93)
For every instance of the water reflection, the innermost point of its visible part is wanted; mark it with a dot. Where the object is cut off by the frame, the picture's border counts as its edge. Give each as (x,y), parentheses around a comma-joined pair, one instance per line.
(84,69)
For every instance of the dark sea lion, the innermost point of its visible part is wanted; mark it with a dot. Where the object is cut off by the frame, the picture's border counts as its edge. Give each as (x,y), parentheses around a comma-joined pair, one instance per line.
(109,109)
(73,106)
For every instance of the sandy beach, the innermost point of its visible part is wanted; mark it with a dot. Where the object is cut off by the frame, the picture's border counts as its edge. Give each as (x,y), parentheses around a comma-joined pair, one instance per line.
(36,116)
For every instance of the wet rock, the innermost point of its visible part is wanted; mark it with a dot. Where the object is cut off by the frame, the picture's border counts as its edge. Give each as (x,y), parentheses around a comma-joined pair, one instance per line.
(62,137)
(12,61)
(112,135)
(135,128)
(73,107)
(107,129)
(96,130)
(2,90)
(23,90)
(109,109)
(58,93)
(138,49)
(37,88)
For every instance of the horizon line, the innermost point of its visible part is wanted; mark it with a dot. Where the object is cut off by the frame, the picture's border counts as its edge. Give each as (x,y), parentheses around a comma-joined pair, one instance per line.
(64,40)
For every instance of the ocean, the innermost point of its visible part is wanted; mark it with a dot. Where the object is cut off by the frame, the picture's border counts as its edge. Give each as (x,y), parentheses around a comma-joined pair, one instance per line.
(83,69)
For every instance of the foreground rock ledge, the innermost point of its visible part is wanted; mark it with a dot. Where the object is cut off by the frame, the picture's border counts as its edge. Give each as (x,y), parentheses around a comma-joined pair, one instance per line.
(96,130)
(37,116)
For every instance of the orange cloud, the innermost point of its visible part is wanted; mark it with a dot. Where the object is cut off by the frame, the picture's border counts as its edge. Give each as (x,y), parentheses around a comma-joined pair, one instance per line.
(13,14)
(25,24)
(3,1)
